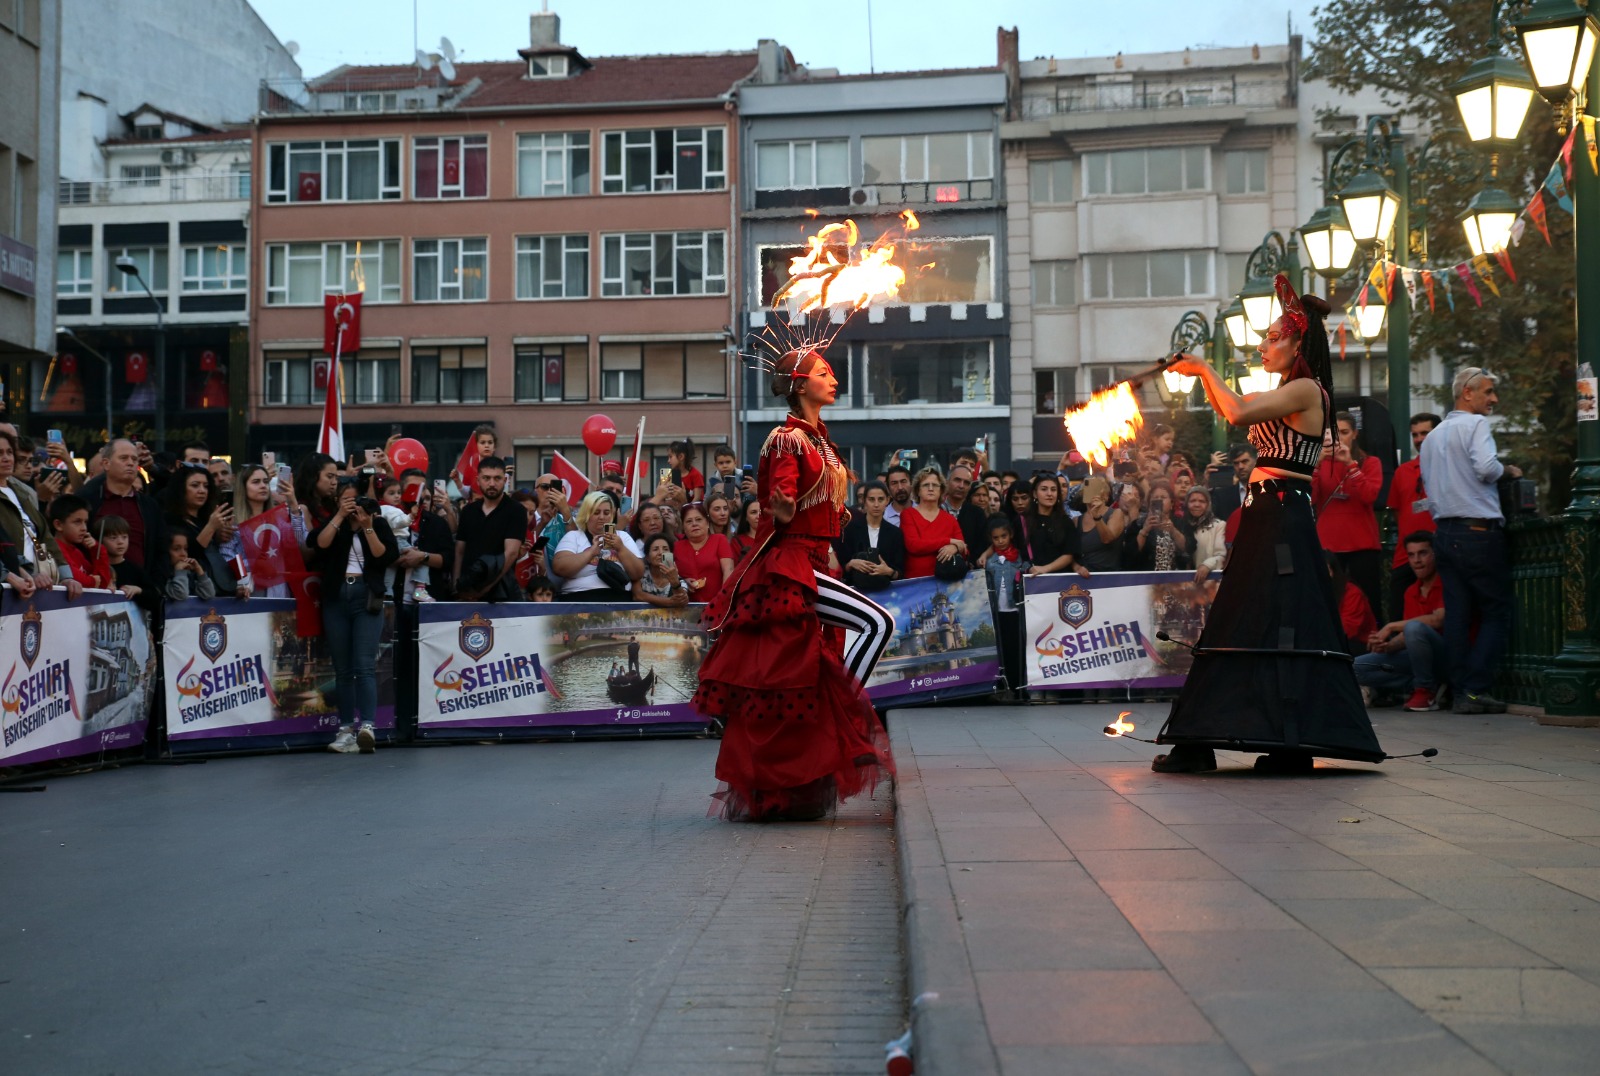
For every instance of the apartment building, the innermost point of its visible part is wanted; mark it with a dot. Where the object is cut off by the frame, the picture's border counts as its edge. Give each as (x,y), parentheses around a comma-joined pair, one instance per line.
(929,372)
(30,49)
(535,240)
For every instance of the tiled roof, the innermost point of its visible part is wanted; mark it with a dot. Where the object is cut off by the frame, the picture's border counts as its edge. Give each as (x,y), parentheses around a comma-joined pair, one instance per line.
(235,134)
(610,80)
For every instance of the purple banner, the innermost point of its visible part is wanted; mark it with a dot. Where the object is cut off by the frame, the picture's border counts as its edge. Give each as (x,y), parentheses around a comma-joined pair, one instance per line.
(1100,632)
(944,643)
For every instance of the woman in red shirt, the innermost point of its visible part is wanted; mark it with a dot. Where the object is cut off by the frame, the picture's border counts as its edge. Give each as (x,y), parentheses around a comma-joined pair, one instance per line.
(1344,488)
(931,533)
(704,559)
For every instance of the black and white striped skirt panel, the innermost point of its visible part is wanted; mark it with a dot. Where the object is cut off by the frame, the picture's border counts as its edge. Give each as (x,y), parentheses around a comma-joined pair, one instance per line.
(846,607)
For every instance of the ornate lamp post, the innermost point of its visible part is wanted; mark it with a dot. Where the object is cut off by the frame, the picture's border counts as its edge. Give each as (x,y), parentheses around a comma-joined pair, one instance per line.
(1558,40)
(1194,334)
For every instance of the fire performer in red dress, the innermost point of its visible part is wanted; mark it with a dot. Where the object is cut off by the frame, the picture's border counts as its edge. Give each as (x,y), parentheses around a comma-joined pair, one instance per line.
(800,734)
(1270,671)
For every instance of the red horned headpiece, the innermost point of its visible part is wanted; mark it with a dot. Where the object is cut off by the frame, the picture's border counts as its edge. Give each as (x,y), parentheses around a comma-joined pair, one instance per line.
(1294,314)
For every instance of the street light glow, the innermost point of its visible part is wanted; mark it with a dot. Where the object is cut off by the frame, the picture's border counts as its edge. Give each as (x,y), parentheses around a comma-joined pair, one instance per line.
(1238,326)
(1558,38)
(1488,220)
(1261,306)
(1370,206)
(1329,244)
(1493,98)
(1370,318)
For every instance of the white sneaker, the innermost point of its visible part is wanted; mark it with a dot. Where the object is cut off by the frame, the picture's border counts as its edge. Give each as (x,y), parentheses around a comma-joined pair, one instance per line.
(344,743)
(1366,695)
(421,596)
(366,742)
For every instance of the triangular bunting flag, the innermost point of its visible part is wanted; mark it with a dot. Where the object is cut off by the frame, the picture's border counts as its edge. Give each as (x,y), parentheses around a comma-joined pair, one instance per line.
(1464,271)
(1504,258)
(1427,282)
(1481,264)
(1449,292)
(1589,144)
(1409,278)
(1344,343)
(1539,215)
(1566,154)
(1518,227)
(1375,279)
(1388,282)
(1558,188)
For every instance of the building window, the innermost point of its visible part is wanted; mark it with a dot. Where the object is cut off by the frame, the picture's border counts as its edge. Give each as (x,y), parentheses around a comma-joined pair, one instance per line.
(949,271)
(552,267)
(75,272)
(1155,275)
(929,372)
(665,159)
(1052,391)
(1146,171)
(551,165)
(372,377)
(1245,171)
(141,175)
(803,165)
(300,274)
(356,170)
(288,381)
(152,263)
(1055,284)
(552,373)
(1050,182)
(667,371)
(663,263)
(547,66)
(450,375)
(449,270)
(214,267)
(241,180)
(450,167)
(932,158)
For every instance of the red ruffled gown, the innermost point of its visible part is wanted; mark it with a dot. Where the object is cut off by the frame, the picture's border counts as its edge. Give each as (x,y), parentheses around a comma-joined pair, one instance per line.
(800,733)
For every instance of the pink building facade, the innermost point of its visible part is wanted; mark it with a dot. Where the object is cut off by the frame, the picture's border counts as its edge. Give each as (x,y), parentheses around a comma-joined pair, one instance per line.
(535,241)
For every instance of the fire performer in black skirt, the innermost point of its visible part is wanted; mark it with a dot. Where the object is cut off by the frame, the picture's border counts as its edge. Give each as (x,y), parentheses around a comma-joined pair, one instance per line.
(1270,671)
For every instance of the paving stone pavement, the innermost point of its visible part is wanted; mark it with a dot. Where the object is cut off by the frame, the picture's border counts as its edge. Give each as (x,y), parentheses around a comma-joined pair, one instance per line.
(1077,913)
(529,908)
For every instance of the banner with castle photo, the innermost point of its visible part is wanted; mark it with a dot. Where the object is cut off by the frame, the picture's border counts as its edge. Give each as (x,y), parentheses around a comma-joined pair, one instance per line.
(1100,632)
(551,664)
(236,670)
(944,643)
(76,678)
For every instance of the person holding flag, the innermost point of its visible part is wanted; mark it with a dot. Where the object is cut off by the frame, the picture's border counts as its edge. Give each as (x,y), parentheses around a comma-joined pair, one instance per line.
(480,446)
(269,538)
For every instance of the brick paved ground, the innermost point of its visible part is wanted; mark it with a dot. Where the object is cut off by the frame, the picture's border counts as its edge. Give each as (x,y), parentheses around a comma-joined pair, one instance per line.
(1079,913)
(552,908)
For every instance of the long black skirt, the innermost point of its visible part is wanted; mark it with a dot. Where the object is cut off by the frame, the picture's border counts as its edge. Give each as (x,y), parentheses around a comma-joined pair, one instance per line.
(1243,693)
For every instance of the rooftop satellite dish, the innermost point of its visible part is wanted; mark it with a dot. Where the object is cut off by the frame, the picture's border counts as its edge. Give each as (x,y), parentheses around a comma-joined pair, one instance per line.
(425,60)
(447,49)
(292,48)
(448,70)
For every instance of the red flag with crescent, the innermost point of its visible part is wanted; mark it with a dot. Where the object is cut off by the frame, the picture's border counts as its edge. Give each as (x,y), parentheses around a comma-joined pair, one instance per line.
(136,367)
(309,185)
(270,549)
(341,311)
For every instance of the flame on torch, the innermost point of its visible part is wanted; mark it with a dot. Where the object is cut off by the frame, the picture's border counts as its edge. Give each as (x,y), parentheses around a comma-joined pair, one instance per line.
(1119,727)
(1109,418)
(833,272)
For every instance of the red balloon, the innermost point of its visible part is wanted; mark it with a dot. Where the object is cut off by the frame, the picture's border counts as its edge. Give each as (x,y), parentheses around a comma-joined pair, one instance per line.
(599,434)
(407,453)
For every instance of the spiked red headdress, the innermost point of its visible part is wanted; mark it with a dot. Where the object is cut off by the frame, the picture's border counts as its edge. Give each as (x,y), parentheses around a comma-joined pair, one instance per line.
(1294,314)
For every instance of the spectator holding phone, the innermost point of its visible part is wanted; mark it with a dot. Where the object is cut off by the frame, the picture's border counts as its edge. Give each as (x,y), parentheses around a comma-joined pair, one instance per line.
(593,542)
(1101,526)
(660,585)
(252,495)
(195,510)
(705,560)
(680,457)
(1343,490)
(1229,480)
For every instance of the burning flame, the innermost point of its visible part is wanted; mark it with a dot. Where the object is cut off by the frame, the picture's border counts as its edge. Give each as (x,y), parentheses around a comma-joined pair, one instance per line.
(834,273)
(1120,727)
(1111,417)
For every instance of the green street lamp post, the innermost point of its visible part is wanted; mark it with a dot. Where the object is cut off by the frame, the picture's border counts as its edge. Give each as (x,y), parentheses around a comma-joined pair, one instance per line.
(1194,333)
(1558,40)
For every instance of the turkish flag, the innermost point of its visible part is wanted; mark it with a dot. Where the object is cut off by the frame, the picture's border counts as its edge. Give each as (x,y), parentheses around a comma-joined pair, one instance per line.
(208,361)
(269,548)
(452,172)
(331,437)
(307,590)
(309,185)
(467,467)
(337,311)
(136,367)
(576,481)
(319,373)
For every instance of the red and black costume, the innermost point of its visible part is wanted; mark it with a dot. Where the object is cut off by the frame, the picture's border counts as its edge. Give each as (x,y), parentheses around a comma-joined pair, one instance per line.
(799,732)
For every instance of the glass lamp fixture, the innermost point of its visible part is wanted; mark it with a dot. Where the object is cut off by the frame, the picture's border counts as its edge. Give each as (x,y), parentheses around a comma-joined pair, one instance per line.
(1370,206)
(1558,40)
(1261,306)
(1493,98)
(1178,385)
(1488,220)
(1239,331)
(1369,319)
(1329,244)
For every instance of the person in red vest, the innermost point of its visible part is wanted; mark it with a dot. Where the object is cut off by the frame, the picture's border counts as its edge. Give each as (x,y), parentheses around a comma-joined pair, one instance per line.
(1409,501)
(1343,491)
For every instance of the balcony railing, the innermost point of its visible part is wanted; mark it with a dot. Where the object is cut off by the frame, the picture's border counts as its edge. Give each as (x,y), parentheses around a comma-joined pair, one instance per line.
(185,187)
(1147,94)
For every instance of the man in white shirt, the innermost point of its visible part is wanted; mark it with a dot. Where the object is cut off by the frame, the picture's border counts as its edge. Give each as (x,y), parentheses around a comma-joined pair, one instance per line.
(1461,476)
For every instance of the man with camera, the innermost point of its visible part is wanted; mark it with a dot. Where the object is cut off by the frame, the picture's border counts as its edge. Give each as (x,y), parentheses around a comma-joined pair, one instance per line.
(1228,487)
(1460,473)
(489,539)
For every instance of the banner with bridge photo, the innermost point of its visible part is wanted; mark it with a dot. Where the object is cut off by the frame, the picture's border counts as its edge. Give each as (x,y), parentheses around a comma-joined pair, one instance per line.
(238,676)
(944,643)
(556,665)
(1100,632)
(76,677)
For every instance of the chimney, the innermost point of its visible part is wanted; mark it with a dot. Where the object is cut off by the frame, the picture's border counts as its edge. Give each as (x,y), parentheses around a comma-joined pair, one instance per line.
(544,29)
(1006,47)
(769,61)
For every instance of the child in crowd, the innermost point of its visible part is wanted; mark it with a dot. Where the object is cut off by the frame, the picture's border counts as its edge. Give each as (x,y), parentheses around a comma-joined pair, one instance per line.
(404,525)
(1003,564)
(188,580)
(129,577)
(69,522)
(540,589)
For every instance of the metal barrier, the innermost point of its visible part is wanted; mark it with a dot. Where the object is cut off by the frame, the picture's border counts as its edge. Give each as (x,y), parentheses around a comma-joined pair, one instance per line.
(1537,549)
